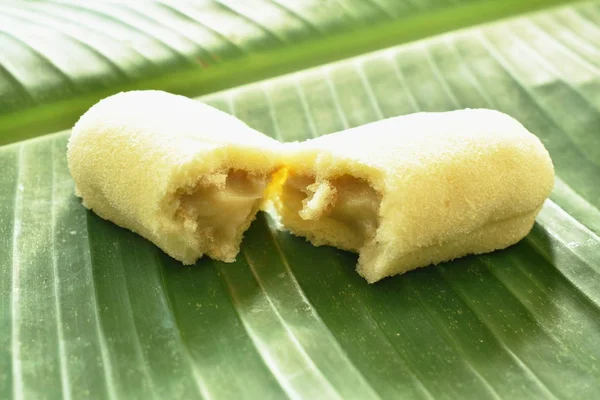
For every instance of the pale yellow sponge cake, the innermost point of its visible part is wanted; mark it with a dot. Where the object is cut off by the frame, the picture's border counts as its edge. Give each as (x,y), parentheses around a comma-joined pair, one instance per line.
(186,176)
(416,190)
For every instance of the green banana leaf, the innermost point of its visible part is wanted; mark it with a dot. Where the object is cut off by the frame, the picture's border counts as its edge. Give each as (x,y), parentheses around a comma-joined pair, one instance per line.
(61,56)
(90,310)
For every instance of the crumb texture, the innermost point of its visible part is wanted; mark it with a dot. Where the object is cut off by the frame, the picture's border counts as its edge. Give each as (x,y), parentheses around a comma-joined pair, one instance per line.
(422,188)
(186,176)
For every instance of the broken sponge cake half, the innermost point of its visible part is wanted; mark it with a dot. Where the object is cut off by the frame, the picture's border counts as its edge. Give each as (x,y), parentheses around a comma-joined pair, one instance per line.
(186,176)
(416,190)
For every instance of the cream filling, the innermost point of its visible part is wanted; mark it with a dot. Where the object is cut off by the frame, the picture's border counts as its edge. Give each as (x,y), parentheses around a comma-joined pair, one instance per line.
(344,208)
(216,208)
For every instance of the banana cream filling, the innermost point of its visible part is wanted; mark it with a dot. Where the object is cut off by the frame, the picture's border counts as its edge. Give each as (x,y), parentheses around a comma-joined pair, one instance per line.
(344,208)
(215,209)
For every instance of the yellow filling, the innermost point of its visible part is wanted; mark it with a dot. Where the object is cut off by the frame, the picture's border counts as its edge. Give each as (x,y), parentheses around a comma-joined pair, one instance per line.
(345,208)
(215,210)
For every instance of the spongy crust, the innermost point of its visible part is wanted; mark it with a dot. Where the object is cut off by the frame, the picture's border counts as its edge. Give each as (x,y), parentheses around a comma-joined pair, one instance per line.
(451,184)
(131,153)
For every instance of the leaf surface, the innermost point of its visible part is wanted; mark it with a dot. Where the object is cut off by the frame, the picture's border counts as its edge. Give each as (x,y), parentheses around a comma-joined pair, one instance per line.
(59,57)
(88,309)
